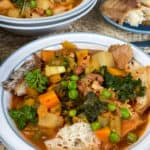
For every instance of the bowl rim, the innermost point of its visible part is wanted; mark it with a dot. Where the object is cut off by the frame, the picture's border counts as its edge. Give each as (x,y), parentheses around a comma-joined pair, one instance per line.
(45,19)
(39,44)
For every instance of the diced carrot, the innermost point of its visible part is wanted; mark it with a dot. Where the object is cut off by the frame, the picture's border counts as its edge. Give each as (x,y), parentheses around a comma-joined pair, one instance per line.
(42,111)
(49,99)
(116,72)
(46,55)
(81,55)
(55,78)
(103,134)
(70,6)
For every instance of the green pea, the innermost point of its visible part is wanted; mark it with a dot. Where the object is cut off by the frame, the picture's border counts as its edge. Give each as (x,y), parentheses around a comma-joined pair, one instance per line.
(73,94)
(114,137)
(112,107)
(95,126)
(106,94)
(125,114)
(131,137)
(72,113)
(49,12)
(74,78)
(64,83)
(33,4)
(72,85)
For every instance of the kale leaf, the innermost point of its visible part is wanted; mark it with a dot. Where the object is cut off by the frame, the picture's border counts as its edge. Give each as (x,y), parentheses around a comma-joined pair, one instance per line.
(36,80)
(126,87)
(92,107)
(23,116)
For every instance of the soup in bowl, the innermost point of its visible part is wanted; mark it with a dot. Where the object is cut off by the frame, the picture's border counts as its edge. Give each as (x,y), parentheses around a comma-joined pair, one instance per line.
(77,94)
(36,8)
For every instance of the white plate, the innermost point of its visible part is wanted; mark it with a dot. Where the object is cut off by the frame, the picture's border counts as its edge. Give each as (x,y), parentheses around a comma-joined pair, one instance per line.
(44,19)
(36,30)
(8,132)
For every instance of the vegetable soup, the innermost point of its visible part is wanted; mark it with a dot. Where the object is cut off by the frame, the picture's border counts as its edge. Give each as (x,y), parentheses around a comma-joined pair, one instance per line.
(36,8)
(80,98)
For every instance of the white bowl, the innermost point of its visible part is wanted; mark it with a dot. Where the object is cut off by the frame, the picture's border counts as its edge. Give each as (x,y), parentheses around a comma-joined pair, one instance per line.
(26,21)
(49,21)
(8,131)
(42,29)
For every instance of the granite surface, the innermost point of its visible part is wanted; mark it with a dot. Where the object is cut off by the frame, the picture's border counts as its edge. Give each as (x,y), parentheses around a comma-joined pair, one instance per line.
(92,22)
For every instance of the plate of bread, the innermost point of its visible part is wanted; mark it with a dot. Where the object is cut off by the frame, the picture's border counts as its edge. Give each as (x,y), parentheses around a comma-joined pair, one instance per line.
(130,15)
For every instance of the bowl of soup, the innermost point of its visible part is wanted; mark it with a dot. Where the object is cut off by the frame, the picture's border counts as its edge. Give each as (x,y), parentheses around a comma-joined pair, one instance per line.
(38,29)
(43,12)
(46,16)
(75,91)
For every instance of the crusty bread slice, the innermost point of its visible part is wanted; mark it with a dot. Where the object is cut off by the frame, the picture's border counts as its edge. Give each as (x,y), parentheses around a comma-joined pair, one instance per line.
(78,136)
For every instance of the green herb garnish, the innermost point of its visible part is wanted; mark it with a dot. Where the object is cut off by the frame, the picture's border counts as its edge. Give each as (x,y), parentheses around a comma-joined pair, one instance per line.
(24,115)
(36,80)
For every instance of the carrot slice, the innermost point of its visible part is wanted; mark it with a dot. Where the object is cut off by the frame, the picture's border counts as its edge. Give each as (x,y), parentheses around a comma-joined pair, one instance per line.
(49,99)
(46,55)
(103,134)
(116,72)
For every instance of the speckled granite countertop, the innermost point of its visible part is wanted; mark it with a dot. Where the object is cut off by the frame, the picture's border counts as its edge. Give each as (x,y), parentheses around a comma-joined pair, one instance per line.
(92,22)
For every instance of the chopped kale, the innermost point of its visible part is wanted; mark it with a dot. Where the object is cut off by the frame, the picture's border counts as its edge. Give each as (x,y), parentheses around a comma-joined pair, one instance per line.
(23,116)
(126,87)
(92,107)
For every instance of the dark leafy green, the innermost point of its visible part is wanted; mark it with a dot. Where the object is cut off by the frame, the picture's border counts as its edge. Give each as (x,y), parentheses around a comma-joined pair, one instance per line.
(36,80)
(23,116)
(92,107)
(126,88)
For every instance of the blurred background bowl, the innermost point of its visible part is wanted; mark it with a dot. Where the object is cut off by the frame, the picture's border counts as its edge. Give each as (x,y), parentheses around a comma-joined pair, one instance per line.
(46,27)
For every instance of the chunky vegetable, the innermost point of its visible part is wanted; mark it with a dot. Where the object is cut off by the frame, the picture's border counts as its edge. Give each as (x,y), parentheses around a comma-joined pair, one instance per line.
(46,55)
(49,99)
(103,134)
(55,78)
(36,80)
(104,59)
(24,115)
(52,70)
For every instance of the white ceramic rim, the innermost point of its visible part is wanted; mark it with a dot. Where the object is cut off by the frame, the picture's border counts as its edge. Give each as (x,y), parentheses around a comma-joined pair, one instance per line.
(45,19)
(50,22)
(59,24)
(8,133)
